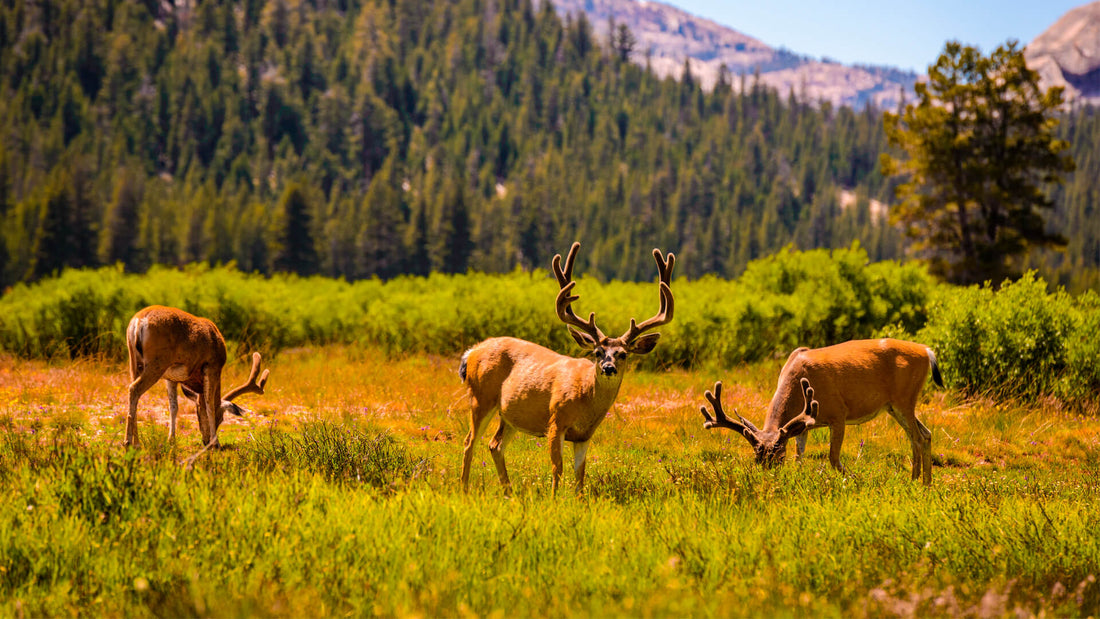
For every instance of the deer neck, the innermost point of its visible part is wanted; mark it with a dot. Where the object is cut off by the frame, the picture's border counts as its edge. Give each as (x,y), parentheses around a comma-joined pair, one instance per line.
(778,411)
(782,409)
(605,388)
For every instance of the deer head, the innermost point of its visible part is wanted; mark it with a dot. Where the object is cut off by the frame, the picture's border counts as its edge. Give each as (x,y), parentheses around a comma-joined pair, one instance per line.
(610,350)
(770,447)
(255,384)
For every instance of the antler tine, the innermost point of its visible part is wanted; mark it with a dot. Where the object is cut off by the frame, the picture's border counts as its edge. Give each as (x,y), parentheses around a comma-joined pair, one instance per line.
(810,408)
(252,385)
(565,276)
(565,312)
(665,310)
(719,420)
(808,416)
(564,303)
(664,265)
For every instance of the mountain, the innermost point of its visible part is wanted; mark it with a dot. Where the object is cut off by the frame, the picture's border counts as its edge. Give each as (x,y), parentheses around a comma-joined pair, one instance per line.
(668,35)
(377,138)
(1068,54)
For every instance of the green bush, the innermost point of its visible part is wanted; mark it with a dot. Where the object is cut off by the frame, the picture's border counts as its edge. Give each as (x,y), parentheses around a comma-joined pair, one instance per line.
(820,297)
(785,301)
(1082,380)
(1018,341)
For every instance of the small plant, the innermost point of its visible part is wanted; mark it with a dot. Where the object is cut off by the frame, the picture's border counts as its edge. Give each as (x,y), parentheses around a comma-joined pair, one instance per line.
(341,453)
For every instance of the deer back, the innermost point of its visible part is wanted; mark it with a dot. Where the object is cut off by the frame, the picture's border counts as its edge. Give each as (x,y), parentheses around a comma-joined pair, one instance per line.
(853,381)
(177,336)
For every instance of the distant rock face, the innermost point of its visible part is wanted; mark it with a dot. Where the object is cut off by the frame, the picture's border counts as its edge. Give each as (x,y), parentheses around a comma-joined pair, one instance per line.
(1068,54)
(670,35)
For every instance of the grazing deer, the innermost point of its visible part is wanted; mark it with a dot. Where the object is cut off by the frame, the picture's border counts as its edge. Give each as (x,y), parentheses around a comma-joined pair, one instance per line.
(187,351)
(855,381)
(540,392)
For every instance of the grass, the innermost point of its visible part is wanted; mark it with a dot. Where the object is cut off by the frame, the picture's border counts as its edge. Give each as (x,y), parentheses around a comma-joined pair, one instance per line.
(340,495)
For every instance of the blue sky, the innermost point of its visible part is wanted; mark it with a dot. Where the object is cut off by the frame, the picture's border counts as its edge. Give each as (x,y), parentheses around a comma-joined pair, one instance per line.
(907,35)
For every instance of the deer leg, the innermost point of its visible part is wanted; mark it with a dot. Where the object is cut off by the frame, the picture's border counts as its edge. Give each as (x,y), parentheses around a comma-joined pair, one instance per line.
(926,449)
(173,408)
(836,439)
(910,433)
(211,393)
(800,444)
(141,384)
(496,447)
(200,414)
(580,452)
(135,366)
(920,438)
(556,438)
(480,415)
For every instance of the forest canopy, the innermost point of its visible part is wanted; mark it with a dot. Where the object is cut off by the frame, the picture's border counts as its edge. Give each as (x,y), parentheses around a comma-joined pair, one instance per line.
(364,139)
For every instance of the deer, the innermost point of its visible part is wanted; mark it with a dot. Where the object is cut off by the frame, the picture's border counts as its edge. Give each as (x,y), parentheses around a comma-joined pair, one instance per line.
(543,393)
(855,381)
(188,352)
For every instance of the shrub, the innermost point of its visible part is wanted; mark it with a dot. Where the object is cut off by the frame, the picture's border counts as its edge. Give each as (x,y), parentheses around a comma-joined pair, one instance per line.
(791,299)
(1010,342)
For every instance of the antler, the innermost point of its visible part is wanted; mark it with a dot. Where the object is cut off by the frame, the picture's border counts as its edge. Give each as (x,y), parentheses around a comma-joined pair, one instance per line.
(664,313)
(808,417)
(253,385)
(564,303)
(719,420)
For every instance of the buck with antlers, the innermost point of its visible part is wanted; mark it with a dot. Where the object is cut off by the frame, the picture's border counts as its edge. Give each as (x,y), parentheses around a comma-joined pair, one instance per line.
(540,392)
(187,351)
(855,381)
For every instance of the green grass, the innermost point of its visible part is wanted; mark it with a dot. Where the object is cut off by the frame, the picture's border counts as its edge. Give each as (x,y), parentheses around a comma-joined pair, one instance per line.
(357,510)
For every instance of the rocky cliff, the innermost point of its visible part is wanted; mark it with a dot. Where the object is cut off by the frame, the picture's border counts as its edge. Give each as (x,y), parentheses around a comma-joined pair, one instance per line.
(1068,54)
(670,35)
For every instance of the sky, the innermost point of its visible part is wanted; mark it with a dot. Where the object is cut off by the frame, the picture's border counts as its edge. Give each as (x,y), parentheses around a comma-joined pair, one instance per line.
(907,35)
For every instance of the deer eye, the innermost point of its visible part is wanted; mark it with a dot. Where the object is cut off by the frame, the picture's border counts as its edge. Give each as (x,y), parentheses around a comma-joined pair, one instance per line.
(619,354)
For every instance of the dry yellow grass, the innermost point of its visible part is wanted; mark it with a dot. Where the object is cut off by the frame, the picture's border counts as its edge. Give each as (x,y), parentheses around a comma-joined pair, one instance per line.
(421,397)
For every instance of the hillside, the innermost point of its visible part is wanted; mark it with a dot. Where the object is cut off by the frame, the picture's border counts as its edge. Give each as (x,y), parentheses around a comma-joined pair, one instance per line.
(672,35)
(388,139)
(378,139)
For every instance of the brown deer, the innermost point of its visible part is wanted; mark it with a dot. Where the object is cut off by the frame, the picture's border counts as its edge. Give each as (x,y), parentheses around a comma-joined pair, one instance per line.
(540,392)
(855,381)
(187,351)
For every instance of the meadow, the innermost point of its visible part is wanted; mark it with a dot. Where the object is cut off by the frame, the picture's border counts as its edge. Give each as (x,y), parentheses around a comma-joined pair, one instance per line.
(339,494)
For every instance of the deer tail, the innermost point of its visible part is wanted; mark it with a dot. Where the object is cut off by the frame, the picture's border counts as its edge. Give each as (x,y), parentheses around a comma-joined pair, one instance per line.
(462,365)
(936,377)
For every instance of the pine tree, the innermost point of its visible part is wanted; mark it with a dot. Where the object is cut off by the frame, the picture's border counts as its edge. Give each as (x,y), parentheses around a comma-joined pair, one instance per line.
(295,251)
(458,243)
(120,239)
(380,241)
(416,241)
(980,149)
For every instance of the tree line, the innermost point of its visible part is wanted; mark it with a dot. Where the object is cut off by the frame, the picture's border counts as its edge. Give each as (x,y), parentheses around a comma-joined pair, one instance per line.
(359,139)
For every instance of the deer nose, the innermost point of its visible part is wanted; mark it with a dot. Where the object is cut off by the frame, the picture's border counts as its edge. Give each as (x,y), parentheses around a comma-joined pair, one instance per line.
(608,369)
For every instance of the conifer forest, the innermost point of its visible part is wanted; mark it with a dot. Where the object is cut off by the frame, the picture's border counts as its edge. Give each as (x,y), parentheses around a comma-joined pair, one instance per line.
(361,138)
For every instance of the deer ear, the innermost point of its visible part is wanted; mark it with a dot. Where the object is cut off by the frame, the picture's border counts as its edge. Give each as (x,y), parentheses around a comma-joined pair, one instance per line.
(233,409)
(585,340)
(644,344)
